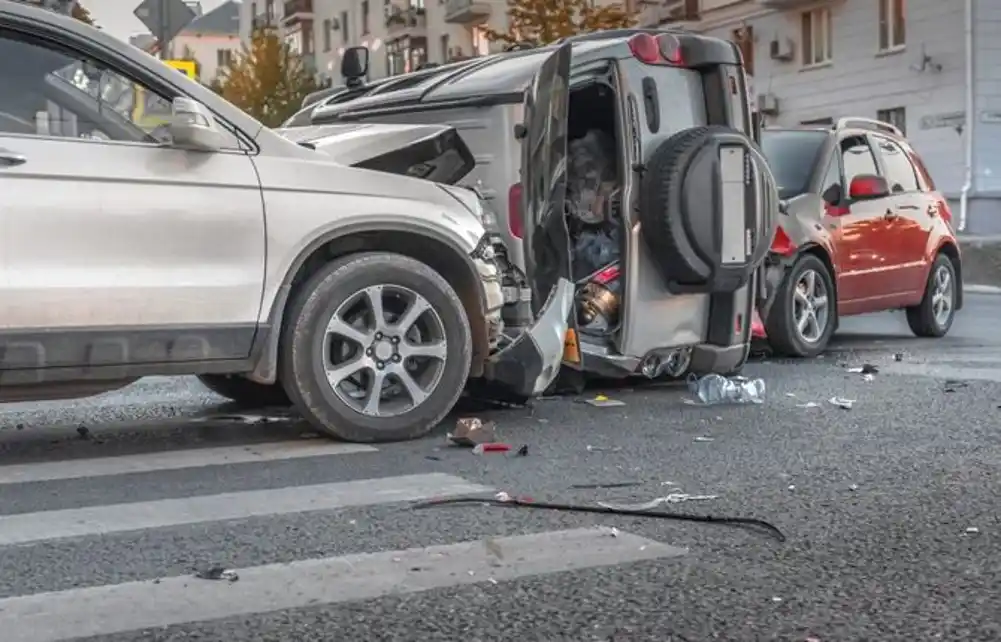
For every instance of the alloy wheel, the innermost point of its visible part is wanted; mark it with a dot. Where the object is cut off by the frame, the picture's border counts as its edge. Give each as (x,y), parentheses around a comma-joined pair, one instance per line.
(384,350)
(811,308)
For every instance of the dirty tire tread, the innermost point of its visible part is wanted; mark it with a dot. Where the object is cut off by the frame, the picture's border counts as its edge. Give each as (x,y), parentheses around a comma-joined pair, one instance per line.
(782,337)
(246,393)
(921,318)
(309,314)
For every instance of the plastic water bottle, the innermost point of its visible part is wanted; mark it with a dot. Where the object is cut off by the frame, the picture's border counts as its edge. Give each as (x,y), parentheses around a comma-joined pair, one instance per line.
(715,389)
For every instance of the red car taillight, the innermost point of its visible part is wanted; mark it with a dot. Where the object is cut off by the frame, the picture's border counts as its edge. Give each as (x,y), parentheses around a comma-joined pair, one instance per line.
(782,244)
(514,222)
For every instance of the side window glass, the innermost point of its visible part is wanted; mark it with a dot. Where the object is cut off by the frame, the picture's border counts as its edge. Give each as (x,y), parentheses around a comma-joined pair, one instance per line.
(51,92)
(899,171)
(831,190)
(857,158)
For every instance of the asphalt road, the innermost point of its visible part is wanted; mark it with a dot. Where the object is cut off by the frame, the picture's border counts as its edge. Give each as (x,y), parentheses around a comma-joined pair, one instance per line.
(890,510)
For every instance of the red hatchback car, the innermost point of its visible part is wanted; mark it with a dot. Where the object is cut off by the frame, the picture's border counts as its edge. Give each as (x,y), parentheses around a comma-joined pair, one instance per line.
(862,229)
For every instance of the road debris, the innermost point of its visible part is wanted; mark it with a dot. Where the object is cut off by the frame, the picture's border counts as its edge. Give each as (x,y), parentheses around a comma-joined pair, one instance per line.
(972,530)
(522,451)
(703,440)
(840,402)
(603,449)
(629,484)
(481,449)
(808,404)
(865,369)
(601,401)
(952,385)
(83,432)
(715,389)
(504,499)
(217,573)
(672,498)
(899,356)
(471,432)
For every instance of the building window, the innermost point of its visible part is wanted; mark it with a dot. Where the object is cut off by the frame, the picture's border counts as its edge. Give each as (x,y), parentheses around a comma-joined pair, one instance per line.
(344,27)
(445,56)
(364,18)
(816,37)
(327,28)
(896,117)
(481,46)
(224,57)
(892,30)
(416,4)
(817,121)
(406,54)
(744,39)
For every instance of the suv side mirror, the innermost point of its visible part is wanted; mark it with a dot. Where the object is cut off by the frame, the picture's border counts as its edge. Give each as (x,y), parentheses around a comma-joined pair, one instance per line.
(867,187)
(354,64)
(192,126)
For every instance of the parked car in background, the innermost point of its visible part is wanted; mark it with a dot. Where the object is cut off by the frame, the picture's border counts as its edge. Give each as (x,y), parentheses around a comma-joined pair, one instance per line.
(862,229)
(602,175)
(213,246)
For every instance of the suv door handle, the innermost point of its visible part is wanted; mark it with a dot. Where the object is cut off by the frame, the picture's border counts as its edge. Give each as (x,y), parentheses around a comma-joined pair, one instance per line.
(11,159)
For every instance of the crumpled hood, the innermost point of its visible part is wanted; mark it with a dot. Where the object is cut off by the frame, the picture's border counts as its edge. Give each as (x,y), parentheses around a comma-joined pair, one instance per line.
(356,143)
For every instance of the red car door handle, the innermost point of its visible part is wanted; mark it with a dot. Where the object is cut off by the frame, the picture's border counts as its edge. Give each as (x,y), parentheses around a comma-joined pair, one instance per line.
(890,214)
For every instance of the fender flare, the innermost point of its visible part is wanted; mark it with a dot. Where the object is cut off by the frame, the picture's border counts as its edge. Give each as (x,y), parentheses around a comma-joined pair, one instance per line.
(266,340)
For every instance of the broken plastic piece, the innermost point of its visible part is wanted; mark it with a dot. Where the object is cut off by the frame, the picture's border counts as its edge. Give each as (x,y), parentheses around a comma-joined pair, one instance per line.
(470,431)
(491,448)
(845,404)
(601,401)
(217,573)
(865,368)
(673,498)
(716,389)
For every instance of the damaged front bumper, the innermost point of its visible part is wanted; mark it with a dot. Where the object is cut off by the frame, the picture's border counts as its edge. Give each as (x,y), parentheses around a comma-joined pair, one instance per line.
(531,361)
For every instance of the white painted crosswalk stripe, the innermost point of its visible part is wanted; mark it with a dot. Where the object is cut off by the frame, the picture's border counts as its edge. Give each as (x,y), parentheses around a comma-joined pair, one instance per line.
(134,606)
(103,610)
(175,460)
(116,518)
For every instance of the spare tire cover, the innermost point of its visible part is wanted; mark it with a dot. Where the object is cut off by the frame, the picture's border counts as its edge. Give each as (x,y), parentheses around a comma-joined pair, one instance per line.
(706,209)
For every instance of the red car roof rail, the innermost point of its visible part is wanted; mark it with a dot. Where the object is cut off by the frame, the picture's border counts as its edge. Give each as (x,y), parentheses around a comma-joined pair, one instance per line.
(867,123)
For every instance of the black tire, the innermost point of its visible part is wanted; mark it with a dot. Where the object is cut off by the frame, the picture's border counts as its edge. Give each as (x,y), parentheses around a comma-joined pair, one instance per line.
(780,325)
(301,350)
(921,317)
(676,205)
(246,393)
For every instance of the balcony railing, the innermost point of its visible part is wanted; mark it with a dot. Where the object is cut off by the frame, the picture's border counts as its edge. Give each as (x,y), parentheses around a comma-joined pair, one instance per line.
(466,11)
(400,21)
(297,11)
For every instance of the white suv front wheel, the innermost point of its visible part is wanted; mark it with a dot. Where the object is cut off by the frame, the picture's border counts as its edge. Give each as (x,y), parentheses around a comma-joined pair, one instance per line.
(376,347)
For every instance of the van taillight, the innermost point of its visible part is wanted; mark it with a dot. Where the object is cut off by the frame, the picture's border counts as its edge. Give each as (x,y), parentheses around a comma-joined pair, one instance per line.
(664,49)
(514,222)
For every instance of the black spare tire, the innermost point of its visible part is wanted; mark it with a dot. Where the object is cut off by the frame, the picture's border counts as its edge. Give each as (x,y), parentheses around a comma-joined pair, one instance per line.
(706,207)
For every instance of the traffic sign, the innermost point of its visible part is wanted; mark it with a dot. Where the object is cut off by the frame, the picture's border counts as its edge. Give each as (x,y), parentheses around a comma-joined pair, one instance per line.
(165,18)
(187,67)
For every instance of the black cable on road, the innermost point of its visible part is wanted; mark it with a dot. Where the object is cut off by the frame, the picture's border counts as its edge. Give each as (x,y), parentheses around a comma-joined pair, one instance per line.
(755,525)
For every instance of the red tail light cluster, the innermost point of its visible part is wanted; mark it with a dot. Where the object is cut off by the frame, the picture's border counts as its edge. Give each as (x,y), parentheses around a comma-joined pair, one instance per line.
(664,49)
(514,219)
(782,244)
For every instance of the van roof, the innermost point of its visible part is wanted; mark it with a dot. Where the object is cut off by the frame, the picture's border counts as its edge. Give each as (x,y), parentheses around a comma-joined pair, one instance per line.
(495,75)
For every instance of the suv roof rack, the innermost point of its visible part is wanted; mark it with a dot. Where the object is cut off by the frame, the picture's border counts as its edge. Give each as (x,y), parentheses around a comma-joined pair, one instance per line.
(868,123)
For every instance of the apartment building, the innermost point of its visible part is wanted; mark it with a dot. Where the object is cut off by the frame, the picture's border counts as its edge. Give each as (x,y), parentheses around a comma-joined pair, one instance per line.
(904,62)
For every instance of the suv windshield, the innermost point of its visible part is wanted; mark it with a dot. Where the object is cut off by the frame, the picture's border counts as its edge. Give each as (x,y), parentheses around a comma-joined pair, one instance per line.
(792,156)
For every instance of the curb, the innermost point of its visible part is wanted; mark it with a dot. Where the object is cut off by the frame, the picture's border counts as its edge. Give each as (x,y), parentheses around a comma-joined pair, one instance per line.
(981,289)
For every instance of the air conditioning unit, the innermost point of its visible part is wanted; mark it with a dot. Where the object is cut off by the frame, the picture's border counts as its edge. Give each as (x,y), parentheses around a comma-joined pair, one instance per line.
(768,104)
(783,49)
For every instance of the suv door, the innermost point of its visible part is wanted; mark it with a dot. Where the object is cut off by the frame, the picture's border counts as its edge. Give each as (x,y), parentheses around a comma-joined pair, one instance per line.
(910,228)
(117,249)
(546,239)
(861,234)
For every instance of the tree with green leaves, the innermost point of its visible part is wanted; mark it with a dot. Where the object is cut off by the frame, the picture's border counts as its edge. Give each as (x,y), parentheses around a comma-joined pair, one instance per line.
(267,79)
(539,22)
